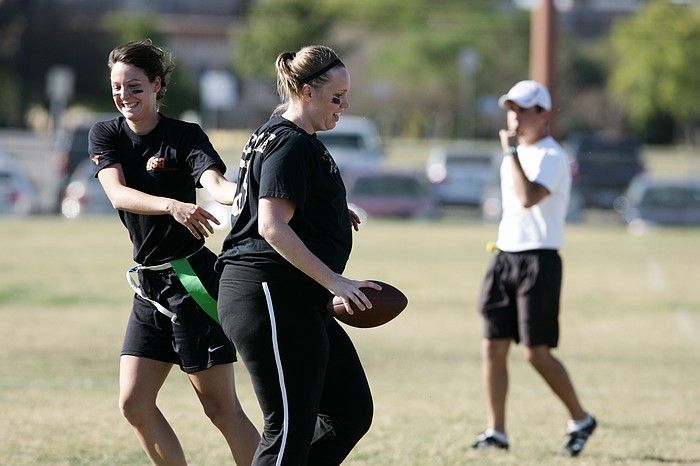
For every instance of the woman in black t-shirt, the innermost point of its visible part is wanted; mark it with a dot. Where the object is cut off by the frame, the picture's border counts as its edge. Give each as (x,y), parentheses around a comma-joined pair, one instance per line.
(149,166)
(289,243)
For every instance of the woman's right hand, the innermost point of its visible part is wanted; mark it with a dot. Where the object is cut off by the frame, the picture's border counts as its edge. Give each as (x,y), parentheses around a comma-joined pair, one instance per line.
(193,217)
(348,290)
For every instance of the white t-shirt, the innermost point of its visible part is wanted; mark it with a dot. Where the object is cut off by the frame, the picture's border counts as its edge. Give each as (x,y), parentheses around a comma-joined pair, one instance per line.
(542,225)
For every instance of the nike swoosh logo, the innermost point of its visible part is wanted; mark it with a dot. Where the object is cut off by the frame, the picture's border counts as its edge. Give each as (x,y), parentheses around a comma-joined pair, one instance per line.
(211,350)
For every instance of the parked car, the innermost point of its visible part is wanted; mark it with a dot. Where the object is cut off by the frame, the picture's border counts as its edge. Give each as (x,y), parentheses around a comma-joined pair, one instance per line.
(72,150)
(354,143)
(220,211)
(83,194)
(391,193)
(660,201)
(18,195)
(459,174)
(604,167)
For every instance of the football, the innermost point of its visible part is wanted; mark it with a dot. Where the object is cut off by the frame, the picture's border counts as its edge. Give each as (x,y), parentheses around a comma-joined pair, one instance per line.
(387,303)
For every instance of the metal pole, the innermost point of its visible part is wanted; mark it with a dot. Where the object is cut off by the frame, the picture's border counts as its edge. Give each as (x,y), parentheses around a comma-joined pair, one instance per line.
(543,63)
(467,65)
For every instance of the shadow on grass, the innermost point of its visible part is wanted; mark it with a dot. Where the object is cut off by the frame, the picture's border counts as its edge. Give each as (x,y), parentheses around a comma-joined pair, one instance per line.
(657,459)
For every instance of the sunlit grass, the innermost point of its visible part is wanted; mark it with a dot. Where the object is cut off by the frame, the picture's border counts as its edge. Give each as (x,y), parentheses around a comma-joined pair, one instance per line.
(630,338)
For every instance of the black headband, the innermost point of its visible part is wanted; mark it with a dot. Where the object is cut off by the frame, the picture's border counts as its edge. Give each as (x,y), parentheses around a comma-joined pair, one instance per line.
(318,73)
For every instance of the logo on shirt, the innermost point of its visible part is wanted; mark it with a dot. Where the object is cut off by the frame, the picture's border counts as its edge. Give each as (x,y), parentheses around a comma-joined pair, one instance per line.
(155,163)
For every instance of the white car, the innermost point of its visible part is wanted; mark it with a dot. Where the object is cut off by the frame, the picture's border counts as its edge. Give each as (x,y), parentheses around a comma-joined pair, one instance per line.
(354,143)
(460,174)
(83,194)
(660,201)
(220,211)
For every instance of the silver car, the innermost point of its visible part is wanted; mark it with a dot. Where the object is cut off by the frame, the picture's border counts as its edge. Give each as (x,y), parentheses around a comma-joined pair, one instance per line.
(354,143)
(18,196)
(460,174)
(661,201)
(84,194)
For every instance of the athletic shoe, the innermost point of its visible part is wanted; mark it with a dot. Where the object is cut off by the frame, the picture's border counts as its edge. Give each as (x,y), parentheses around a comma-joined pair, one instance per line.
(489,441)
(576,439)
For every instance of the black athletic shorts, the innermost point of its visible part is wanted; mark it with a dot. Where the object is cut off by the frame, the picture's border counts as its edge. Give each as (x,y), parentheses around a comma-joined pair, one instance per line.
(195,342)
(520,297)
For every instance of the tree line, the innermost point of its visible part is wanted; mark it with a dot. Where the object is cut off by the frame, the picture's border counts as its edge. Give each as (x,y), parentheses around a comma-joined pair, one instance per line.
(424,68)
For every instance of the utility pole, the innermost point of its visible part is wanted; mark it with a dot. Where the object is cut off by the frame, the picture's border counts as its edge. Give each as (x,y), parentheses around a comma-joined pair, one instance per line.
(467,65)
(543,63)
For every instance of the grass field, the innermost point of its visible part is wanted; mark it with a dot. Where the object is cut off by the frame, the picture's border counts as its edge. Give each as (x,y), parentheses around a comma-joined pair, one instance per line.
(631,340)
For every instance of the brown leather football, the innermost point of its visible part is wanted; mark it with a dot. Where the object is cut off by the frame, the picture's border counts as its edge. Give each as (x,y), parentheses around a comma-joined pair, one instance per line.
(387,303)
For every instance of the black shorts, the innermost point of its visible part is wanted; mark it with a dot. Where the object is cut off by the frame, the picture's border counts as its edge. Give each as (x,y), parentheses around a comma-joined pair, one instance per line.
(195,342)
(520,297)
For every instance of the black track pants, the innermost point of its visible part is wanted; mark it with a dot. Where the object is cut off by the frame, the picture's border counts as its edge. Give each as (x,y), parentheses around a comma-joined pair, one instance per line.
(309,381)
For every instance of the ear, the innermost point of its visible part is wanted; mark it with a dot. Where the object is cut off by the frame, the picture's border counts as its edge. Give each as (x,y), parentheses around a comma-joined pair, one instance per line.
(306,93)
(156,84)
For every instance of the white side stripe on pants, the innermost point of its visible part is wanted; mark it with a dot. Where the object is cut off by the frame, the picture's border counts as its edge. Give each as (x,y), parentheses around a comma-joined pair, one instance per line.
(280,374)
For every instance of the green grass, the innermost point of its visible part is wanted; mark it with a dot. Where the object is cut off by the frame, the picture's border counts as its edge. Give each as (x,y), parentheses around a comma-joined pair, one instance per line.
(630,339)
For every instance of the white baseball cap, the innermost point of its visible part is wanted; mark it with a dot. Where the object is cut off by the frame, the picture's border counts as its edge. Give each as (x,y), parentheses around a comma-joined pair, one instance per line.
(527,94)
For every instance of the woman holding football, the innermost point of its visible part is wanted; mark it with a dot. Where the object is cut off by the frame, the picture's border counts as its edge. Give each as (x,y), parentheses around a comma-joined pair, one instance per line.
(282,261)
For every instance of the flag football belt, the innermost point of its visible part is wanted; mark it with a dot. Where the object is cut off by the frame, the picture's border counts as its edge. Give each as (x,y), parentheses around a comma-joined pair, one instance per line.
(189,279)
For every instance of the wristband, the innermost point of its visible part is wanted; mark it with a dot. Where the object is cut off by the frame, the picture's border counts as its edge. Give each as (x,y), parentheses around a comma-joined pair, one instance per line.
(512,150)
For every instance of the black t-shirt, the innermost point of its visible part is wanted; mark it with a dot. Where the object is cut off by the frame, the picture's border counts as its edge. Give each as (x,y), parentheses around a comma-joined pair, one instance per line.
(281,160)
(187,153)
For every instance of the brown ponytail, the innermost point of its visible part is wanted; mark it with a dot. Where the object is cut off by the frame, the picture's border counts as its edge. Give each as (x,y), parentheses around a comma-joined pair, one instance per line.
(310,65)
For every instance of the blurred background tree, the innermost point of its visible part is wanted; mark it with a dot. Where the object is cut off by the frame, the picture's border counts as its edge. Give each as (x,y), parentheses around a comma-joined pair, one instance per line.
(408,52)
(416,64)
(10,103)
(655,71)
(275,26)
(26,30)
(432,68)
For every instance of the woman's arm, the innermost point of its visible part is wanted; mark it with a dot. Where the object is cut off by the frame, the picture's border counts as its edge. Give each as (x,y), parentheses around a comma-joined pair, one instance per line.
(221,189)
(122,197)
(274,215)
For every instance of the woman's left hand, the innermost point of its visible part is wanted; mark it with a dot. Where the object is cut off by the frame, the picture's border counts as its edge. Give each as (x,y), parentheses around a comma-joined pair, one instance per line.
(193,217)
(354,220)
